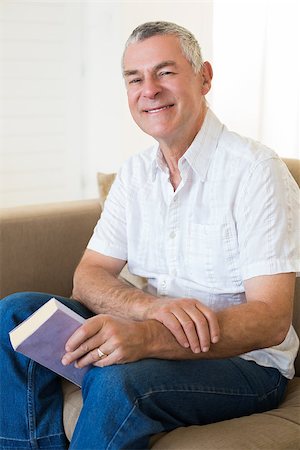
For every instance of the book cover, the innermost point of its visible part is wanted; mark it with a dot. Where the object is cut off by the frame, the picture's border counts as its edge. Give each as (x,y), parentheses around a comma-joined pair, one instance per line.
(43,335)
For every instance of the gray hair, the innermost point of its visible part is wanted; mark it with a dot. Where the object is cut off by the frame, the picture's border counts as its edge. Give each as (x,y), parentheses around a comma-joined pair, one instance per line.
(189,44)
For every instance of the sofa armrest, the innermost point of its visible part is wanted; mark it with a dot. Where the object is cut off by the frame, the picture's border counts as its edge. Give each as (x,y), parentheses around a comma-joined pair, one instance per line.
(40,246)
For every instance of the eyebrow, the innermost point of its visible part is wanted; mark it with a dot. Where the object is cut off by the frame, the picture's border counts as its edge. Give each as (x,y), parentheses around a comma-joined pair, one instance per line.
(128,73)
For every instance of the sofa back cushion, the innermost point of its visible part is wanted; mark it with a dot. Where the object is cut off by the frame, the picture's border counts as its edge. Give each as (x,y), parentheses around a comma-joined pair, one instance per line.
(105,180)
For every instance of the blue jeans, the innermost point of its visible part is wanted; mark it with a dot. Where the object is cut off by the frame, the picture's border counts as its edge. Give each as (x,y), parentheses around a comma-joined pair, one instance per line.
(123,405)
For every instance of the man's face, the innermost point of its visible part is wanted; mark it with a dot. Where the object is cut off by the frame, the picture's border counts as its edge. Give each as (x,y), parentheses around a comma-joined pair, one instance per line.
(165,96)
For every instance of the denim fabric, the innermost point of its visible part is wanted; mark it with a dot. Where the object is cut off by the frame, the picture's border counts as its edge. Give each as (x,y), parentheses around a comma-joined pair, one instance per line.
(123,404)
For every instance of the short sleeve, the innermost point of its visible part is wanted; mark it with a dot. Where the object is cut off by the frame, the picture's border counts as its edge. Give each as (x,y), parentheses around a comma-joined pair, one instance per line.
(109,237)
(268,221)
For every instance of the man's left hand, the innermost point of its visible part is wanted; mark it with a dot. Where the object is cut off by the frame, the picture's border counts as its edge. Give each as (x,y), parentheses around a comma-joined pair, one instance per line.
(193,324)
(120,340)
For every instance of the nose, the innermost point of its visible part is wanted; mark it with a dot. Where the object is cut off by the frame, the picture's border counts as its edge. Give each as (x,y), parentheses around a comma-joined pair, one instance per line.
(151,88)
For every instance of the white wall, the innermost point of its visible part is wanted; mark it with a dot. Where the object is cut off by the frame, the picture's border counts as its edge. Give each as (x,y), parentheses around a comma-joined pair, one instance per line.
(40,102)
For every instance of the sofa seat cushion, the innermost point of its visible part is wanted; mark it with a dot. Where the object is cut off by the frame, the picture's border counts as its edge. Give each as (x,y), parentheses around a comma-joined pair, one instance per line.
(273,430)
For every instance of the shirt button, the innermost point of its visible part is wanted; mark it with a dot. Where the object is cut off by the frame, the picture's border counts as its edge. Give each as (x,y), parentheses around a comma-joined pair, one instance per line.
(172,234)
(163,284)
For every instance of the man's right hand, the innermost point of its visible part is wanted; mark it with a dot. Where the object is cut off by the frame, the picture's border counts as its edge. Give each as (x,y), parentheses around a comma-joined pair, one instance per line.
(193,324)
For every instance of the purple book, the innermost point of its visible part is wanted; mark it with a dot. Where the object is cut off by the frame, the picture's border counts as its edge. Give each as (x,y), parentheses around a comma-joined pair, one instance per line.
(42,337)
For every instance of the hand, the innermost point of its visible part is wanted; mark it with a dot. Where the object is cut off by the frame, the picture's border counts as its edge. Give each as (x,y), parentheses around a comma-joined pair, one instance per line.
(193,324)
(121,340)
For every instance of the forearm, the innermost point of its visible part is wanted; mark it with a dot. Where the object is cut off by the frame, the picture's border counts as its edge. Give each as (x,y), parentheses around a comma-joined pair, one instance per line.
(158,323)
(192,324)
(104,293)
(243,328)
(261,322)
(124,340)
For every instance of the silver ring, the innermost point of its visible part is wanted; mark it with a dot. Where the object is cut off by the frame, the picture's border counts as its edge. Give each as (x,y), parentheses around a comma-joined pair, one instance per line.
(100,353)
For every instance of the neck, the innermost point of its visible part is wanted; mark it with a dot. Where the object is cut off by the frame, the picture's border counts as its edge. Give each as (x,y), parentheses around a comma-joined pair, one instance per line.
(173,151)
(174,148)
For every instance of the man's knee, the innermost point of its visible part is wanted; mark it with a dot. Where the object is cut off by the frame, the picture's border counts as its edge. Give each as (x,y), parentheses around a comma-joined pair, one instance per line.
(132,380)
(18,306)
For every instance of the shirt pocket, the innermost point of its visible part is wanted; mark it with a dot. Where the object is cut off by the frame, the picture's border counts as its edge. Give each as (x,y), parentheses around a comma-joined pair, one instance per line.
(213,256)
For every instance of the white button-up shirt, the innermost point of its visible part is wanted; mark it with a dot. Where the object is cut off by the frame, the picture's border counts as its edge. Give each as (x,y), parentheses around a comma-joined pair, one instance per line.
(234,216)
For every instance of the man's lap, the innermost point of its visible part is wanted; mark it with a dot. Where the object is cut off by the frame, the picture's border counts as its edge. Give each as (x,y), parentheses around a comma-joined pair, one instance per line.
(200,391)
(224,386)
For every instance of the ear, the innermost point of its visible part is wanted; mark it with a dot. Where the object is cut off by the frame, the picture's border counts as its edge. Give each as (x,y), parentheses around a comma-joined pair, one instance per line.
(207,74)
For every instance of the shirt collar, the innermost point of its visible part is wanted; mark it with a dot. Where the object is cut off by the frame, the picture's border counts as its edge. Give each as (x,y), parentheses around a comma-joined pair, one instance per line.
(158,162)
(199,153)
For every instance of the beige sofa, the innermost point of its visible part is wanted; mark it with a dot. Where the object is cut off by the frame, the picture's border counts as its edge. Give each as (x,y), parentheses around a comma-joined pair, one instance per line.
(40,247)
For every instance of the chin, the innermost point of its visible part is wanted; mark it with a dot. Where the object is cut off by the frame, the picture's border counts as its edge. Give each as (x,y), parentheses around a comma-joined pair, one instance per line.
(157,131)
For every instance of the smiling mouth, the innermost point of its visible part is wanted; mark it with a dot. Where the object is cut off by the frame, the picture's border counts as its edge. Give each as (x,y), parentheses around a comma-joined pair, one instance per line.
(156,110)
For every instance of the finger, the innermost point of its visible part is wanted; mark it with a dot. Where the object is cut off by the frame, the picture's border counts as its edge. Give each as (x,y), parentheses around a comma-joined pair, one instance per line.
(213,324)
(85,331)
(84,348)
(202,328)
(169,320)
(90,358)
(116,356)
(188,322)
(75,340)
(108,360)
(71,357)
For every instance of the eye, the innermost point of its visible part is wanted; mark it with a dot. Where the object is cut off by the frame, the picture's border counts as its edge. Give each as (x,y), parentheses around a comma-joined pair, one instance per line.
(165,72)
(134,81)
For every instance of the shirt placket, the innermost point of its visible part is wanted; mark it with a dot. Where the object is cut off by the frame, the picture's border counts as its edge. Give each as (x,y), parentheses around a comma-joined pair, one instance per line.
(172,236)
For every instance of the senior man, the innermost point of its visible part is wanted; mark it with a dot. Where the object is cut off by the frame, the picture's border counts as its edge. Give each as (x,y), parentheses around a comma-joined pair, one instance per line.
(207,217)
